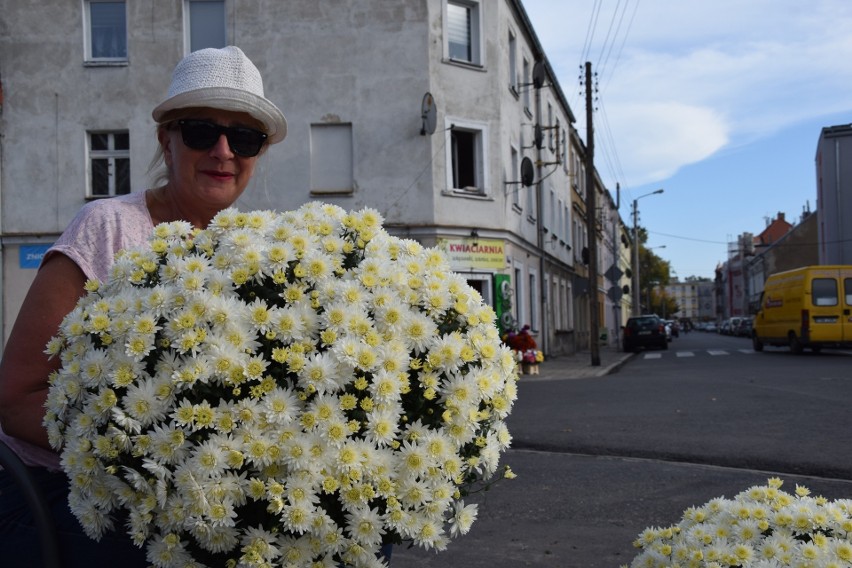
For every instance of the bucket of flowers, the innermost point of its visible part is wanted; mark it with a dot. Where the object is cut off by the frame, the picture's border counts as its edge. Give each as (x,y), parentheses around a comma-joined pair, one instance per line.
(525,348)
(762,527)
(280,389)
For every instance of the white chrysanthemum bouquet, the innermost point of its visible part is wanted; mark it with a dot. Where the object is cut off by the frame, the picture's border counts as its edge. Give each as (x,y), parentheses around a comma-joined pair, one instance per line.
(280,389)
(762,527)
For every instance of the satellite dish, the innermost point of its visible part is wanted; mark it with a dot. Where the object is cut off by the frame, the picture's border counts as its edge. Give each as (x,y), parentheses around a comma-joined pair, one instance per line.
(538,74)
(429,114)
(527,172)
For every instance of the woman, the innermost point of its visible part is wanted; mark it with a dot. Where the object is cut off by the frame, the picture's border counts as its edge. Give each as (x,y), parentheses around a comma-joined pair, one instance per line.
(212,126)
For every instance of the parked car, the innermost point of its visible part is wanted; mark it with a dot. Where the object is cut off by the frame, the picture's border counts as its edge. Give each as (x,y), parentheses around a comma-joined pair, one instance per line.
(644,332)
(729,326)
(711,327)
(744,328)
(674,325)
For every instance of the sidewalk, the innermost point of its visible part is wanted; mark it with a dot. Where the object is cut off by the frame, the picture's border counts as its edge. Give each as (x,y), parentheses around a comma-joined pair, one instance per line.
(579,365)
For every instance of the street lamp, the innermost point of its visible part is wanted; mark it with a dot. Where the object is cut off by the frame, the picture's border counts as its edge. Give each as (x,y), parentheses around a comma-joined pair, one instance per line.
(636,310)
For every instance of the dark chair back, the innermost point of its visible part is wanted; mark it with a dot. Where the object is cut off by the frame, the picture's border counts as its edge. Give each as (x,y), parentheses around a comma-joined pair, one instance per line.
(38,505)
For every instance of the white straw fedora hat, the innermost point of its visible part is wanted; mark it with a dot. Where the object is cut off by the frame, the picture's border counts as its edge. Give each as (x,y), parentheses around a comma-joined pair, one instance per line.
(223,79)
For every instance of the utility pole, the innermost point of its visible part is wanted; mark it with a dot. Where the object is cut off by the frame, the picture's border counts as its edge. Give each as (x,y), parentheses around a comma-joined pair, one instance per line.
(591,225)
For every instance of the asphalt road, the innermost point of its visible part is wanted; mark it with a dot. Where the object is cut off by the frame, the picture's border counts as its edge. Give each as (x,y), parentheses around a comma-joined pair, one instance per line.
(600,459)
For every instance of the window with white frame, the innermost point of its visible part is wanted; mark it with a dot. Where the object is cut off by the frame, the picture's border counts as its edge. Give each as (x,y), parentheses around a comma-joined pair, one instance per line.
(205,24)
(513,64)
(530,206)
(557,230)
(520,314)
(515,176)
(533,292)
(109,159)
(466,157)
(525,84)
(106,31)
(332,166)
(551,222)
(463,31)
(549,126)
(556,303)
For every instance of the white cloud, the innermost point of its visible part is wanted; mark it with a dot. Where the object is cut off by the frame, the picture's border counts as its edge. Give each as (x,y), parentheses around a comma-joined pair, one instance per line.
(657,138)
(695,77)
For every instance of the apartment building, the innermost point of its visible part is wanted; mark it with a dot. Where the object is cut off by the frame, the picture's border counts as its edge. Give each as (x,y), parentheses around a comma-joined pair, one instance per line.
(444,115)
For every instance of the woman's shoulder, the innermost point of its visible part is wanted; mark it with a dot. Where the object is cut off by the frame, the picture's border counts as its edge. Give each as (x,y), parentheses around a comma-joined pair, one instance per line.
(100,229)
(122,204)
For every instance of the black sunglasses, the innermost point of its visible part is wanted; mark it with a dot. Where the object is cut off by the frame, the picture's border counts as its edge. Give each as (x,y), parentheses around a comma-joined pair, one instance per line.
(203,135)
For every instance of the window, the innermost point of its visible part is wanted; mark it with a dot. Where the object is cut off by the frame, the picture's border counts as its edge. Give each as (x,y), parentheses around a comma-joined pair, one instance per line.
(519,308)
(847,290)
(515,176)
(824,291)
(205,23)
(533,291)
(531,212)
(106,24)
(549,126)
(551,222)
(525,84)
(466,157)
(513,65)
(109,155)
(331,158)
(557,229)
(462,31)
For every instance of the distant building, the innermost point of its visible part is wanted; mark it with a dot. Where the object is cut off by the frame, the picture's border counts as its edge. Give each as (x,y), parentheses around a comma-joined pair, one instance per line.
(694,299)
(794,249)
(739,278)
(834,194)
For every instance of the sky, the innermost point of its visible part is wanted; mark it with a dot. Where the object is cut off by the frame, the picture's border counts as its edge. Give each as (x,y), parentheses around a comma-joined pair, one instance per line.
(719,103)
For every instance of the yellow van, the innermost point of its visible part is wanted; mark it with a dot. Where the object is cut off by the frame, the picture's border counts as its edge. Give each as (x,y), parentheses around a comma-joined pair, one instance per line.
(806,307)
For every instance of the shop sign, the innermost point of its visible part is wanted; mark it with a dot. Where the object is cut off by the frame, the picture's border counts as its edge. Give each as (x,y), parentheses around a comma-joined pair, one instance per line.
(29,256)
(487,254)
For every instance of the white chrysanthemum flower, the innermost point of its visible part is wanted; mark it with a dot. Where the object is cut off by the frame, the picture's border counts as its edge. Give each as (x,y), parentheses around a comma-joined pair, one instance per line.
(144,402)
(281,406)
(366,526)
(382,427)
(418,332)
(463,517)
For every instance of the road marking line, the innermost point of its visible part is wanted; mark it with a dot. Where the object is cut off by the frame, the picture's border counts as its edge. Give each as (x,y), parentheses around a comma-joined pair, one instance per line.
(685,354)
(716,352)
(746,351)
(653,355)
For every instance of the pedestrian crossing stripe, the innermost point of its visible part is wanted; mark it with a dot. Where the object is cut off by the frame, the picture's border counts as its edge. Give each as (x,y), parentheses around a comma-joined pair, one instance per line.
(714,352)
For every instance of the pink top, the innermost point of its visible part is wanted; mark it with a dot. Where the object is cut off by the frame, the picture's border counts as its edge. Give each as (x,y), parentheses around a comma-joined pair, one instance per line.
(100,229)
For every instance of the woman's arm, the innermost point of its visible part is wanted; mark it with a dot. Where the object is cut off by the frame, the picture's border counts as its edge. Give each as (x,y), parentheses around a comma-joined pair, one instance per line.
(25,367)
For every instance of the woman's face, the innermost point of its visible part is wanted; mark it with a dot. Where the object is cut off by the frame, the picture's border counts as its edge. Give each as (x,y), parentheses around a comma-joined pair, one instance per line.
(210,179)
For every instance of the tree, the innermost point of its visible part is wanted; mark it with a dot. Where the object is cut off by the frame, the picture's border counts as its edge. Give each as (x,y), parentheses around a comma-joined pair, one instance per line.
(654,272)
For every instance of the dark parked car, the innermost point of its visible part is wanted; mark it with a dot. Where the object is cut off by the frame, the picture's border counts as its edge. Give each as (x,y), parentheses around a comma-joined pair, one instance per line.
(644,331)
(744,328)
